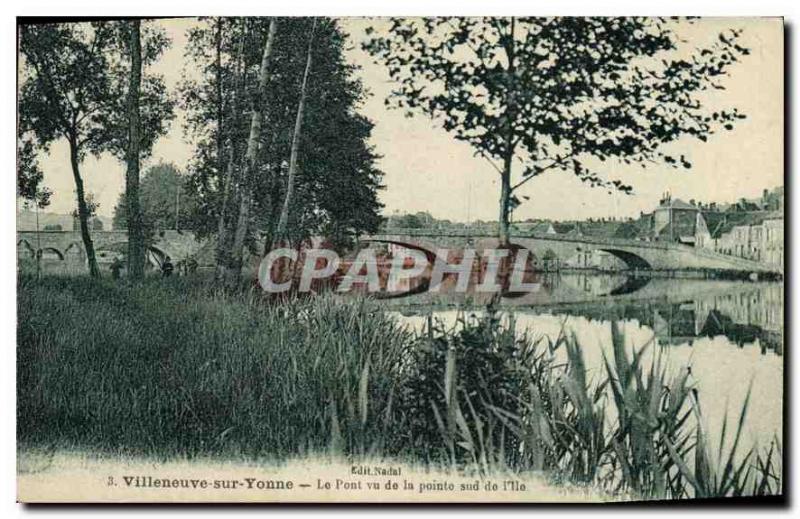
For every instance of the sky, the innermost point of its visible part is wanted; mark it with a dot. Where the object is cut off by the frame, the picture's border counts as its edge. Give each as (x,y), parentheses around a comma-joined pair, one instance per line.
(426,169)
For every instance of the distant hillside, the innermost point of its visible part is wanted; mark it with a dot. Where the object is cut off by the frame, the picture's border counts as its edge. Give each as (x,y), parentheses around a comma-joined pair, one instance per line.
(26,220)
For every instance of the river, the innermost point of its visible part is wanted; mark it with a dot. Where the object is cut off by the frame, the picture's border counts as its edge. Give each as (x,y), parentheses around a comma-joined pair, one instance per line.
(729,332)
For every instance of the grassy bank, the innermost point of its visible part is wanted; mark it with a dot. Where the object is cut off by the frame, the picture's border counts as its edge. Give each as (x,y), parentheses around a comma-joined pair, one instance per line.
(176,369)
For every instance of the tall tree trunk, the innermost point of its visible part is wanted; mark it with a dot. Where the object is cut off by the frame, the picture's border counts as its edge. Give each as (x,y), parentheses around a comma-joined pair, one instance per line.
(251,160)
(275,194)
(136,247)
(504,220)
(83,209)
(280,229)
(224,242)
(223,227)
(504,223)
(220,107)
(504,232)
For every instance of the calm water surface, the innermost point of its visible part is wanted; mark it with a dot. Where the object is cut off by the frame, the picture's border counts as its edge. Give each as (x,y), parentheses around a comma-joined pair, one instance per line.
(730,333)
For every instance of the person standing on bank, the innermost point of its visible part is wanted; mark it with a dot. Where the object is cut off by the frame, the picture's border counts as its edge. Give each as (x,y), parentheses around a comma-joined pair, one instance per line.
(167,268)
(116,267)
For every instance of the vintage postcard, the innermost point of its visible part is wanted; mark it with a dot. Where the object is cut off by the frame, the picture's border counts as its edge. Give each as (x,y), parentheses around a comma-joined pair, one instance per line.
(412,260)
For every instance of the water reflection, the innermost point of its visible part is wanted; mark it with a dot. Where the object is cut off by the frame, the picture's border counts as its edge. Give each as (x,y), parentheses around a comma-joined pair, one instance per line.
(676,310)
(730,333)
(747,314)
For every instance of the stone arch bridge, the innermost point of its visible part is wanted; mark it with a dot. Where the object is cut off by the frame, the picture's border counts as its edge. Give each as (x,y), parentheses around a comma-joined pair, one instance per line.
(637,255)
(68,245)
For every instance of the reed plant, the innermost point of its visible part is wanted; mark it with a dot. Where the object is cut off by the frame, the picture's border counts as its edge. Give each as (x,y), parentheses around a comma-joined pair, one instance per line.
(637,430)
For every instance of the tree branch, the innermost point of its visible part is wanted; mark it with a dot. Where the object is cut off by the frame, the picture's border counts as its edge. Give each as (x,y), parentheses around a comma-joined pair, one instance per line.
(556,162)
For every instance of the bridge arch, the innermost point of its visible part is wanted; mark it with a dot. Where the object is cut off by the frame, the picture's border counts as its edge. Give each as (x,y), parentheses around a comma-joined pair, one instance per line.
(52,250)
(633,261)
(156,256)
(74,252)
(109,251)
(24,250)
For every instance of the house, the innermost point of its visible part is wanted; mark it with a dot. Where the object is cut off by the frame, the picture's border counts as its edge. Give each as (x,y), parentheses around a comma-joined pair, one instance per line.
(702,236)
(568,229)
(676,221)
(757,236)
(773,200)
(744,205)
(770,200)
(773,241)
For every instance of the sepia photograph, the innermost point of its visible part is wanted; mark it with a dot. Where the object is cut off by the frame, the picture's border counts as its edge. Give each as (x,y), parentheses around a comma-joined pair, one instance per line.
(452,259)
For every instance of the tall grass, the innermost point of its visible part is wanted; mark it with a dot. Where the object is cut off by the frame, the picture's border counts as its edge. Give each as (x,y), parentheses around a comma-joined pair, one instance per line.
(637,430)
(170,367)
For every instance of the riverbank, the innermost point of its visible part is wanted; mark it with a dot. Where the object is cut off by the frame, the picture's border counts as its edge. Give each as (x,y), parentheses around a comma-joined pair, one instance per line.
(173,369)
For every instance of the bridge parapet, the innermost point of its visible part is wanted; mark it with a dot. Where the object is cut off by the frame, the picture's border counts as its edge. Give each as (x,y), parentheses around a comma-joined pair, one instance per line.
(417,233)
(176,244)
(635,253)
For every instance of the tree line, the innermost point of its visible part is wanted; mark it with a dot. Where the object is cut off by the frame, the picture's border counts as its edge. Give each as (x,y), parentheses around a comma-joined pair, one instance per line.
(280,150)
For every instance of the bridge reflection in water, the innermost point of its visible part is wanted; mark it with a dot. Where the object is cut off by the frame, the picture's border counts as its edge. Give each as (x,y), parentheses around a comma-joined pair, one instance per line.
(746,314)
(678,311)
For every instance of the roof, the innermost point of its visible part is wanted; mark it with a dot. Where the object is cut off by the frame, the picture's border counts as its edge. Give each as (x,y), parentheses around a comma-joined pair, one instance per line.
(538,227)
(627,231)
(677,203)
(744,205)
(600,229)
(735,219)
(713,220)
(567,228)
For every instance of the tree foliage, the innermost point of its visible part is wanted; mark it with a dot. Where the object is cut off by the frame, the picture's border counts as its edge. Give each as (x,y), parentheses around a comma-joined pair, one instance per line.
(337,177)
(74,82)
(161,190)
(555,93)
(30,176)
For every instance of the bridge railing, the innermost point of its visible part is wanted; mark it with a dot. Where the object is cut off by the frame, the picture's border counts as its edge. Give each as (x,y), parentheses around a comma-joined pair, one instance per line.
(428,233)
(741,263)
